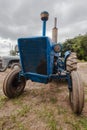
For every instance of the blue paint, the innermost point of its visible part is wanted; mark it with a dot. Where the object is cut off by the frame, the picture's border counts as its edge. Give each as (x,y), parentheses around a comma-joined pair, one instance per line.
(44,28)
(32,51)
(69,80)
(67,53)
(39,60)
(37,77)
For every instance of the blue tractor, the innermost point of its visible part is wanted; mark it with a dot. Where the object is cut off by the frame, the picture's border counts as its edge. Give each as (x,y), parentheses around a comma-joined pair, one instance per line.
(40,62)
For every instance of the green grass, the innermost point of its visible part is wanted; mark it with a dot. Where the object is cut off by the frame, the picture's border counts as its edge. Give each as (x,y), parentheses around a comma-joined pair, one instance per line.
(83,122)
(3,100)
(61,110)
(13,121)
(47,116)
(24,110)
(21,126)
(53,100)
(13,118)
(44,107)
(76,122)
(17,101)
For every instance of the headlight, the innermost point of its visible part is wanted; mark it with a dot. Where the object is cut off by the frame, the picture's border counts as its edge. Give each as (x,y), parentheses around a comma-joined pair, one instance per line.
(57,48)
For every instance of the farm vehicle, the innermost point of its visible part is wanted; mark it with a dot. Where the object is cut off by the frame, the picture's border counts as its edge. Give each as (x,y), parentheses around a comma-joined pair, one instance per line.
(41,62)
(9,62)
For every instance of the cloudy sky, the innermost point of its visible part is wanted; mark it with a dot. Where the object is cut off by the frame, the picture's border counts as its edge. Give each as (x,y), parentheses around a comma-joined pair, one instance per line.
(21,18)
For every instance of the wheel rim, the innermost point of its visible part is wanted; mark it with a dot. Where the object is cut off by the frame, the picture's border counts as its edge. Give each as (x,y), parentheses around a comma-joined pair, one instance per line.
(17,84)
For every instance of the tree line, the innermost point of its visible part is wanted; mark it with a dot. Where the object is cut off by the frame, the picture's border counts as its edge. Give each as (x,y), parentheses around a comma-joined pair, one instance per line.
(78,45)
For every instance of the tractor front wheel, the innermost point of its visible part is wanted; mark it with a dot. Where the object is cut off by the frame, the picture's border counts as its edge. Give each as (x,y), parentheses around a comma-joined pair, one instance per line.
(76,95)
(14,84)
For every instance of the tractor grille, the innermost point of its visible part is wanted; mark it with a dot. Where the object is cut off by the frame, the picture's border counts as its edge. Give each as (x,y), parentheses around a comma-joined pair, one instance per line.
(33,54)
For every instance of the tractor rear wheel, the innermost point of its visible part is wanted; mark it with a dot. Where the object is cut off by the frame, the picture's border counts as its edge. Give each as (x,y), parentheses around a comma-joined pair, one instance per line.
(71,62)
(13,84)
(77,94)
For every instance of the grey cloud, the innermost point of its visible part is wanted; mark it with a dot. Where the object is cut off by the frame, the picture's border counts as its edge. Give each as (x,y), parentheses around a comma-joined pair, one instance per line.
(21,18)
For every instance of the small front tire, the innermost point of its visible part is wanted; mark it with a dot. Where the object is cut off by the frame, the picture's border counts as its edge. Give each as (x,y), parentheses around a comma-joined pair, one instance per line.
(14,84)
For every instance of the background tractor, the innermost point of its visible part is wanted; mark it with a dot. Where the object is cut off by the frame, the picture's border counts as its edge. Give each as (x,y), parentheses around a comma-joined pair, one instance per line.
(41,62)
(9,62)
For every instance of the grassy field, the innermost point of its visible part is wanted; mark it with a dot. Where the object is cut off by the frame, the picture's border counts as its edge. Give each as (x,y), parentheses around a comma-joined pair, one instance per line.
(41,107)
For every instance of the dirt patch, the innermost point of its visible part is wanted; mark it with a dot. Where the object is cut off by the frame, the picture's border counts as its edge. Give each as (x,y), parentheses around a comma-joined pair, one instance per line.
(82,68)
(42,107)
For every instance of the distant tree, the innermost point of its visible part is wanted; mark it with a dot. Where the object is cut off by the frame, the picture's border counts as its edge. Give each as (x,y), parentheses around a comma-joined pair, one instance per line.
(78,45)
(84,48)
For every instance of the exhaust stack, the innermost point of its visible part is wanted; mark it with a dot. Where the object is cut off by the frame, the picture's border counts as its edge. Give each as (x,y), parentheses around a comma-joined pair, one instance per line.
(44,17)
(55,31)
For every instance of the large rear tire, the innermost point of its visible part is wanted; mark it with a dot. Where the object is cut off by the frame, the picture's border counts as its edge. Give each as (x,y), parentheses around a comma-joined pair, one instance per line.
(77,93)
(14,84)
(71,62)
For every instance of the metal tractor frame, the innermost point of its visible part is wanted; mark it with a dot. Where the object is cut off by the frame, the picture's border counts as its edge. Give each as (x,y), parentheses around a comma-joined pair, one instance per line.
(40,62)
